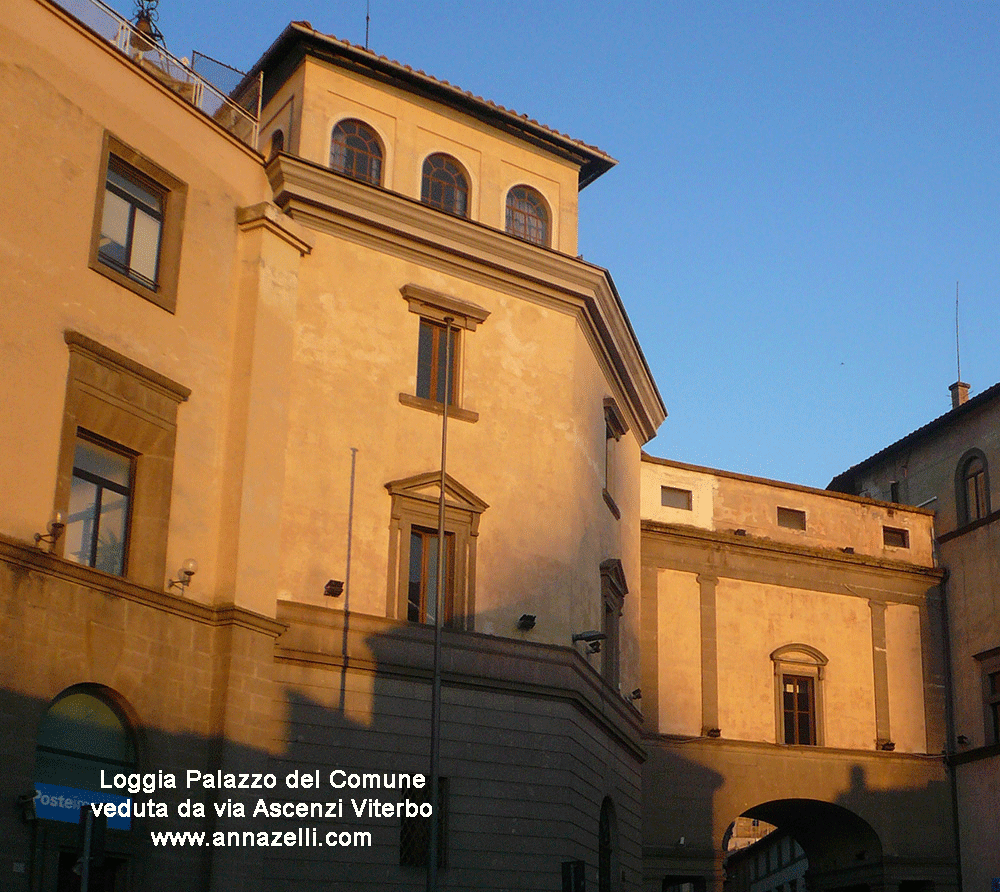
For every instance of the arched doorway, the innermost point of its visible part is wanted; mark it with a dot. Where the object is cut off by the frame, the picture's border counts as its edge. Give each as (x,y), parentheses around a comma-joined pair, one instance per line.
(802,845)
(85,730)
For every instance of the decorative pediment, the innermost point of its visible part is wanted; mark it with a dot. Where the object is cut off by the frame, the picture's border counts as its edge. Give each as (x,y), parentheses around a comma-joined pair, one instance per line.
(427,488)
(613,575)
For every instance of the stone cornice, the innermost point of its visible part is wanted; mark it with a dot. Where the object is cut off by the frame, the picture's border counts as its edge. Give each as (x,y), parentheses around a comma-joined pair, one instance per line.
(27,557)
(472,660)
(268,217)
(328,202)
(754,558)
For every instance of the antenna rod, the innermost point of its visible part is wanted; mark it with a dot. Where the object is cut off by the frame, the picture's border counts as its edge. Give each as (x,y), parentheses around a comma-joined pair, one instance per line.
(368,18)
(958,355)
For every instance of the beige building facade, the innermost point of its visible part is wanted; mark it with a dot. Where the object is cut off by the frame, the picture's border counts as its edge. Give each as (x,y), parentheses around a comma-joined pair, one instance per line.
(792,673)
(946,466)
(239,362)
(228,345)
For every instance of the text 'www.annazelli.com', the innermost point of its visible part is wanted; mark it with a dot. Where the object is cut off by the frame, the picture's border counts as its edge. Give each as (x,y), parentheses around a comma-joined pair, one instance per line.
(304,836)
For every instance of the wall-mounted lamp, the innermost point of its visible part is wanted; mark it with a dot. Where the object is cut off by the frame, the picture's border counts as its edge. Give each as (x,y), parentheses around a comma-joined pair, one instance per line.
(26,802)
(886,746)
(740,532)
(334,588)
(184,574)
(714,733)
(55,528)
(848,549)
(527,622)
(963,740)
(592,639)
(635,695)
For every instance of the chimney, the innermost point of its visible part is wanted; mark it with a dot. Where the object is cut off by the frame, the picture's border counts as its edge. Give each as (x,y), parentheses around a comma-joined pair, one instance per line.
(959,393)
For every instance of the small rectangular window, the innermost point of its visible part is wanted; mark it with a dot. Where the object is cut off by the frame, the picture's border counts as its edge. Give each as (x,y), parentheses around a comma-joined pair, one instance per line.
(99,506)
(791,519)
(672,497)
(136,236)
(895,538)
(434,356)
(993,707)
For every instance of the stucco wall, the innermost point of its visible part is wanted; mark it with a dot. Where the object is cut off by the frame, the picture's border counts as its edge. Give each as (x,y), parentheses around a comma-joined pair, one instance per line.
(411,128)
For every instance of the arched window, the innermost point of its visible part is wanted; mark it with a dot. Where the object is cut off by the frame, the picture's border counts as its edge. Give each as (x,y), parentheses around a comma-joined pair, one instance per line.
(356,151)
(972,484)
(527,216)
(444,185)
(83,731)
(277,143)
(798,680)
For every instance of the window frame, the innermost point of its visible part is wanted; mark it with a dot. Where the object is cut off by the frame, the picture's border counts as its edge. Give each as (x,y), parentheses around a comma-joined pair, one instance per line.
(133,409)
(799,661)
(116,155)
(430,349)
(103,484)
(513,211)
(613,591)
(429,569)
(791,518)
(615,427)
(414,505)
(429,180)
(962,478)
(434,309)
(374,138)
(989,669)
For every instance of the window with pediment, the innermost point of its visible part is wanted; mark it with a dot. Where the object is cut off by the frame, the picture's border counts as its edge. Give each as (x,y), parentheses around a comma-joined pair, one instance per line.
(414,550)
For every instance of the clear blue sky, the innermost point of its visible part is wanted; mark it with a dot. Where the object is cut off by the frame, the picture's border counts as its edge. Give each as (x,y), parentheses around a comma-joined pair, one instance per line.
(800,186)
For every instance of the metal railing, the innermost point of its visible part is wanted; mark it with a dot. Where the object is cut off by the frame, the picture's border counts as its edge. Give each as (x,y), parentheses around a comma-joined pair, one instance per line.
(238,117)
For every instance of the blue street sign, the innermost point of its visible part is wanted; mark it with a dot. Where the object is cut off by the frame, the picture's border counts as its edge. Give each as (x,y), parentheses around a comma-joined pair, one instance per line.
(58,803)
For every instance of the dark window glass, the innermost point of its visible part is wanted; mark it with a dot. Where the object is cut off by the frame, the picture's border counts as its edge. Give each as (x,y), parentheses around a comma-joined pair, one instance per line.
(527,216)
(444,185)
(99,507)
(799,708)
(131,224)
(974,483)
(432,362)
(422,592)
(356,152)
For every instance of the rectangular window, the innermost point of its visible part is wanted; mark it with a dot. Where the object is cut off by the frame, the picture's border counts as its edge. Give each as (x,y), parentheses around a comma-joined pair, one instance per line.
(799,709)
(432,356)
(415,831)
(137,224)
(132,224)
(791,519)
(895,538)
(99,506)
(422,592)
(672,497)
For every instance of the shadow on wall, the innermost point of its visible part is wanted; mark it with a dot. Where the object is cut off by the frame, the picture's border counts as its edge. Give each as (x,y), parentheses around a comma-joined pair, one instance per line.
(527,768)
